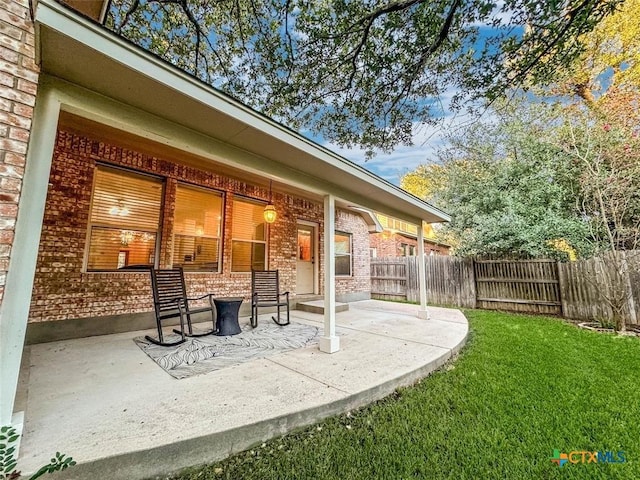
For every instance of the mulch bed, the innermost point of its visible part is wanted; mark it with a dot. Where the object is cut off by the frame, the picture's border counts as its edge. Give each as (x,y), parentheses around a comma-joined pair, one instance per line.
(631,330)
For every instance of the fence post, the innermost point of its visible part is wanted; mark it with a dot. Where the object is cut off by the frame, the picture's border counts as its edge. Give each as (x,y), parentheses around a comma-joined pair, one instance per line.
(627,282)
(474,284)
(409,276)
(562,284)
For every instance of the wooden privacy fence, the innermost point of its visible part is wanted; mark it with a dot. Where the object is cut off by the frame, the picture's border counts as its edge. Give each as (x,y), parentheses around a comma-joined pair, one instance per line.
(572,289)
(587,284)
(450,280)
(518,285)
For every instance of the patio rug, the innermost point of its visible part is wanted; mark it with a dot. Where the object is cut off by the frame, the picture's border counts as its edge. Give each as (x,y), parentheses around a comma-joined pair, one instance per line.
(206,354)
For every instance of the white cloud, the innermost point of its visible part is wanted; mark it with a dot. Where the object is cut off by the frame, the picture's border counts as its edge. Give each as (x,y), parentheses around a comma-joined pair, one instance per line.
(391,166)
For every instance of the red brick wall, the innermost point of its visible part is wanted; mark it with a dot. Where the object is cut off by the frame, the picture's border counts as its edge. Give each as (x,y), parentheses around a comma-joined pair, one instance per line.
(385,244)
(62,290)
(388,245)
(18,85)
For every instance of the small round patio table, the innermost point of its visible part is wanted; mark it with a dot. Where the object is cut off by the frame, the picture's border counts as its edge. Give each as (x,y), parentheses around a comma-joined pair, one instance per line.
(227,309)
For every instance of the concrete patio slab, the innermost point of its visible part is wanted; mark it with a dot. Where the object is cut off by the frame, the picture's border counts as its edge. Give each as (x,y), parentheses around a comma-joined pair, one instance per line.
(377,362)
(104,402)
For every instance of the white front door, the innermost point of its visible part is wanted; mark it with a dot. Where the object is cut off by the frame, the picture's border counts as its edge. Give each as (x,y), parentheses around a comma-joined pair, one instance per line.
(305,264)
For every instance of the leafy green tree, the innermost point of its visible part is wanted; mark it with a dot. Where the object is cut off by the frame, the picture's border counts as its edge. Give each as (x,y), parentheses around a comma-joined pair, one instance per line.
(361,72)
(540,176)
(506,190)
(606,157)
(584,140)
(609,63)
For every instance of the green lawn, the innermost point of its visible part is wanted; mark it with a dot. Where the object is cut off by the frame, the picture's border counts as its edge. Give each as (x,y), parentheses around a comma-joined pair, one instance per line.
(522,387)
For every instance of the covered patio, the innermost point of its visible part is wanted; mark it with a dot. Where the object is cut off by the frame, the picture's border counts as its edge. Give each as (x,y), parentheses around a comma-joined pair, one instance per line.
(186,135)
(105,403)
(132,119)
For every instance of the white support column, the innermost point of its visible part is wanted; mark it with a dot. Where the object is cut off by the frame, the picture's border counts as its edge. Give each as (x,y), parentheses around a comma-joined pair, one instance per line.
(422,274)
(329,342)
(14,310)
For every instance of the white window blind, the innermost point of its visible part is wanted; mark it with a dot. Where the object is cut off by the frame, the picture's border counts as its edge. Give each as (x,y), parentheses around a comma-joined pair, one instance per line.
(248,220)
(248,243)
(124,220)
(123,199)
(197,229)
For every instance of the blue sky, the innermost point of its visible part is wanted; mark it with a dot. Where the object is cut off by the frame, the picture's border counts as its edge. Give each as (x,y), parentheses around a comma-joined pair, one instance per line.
(391,166)
(426,141)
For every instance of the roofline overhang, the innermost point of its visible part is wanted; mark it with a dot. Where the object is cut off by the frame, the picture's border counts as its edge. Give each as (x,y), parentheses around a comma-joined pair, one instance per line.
(370,219)
(336,175)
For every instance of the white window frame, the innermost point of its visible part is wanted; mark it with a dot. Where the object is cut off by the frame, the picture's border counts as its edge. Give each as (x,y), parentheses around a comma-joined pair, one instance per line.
(350,254)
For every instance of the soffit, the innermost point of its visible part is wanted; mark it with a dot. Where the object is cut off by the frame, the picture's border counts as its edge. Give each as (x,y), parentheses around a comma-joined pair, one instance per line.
(93,9)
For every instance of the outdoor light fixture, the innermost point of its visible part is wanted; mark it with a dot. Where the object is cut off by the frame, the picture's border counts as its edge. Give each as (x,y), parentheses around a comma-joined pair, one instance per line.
(270,213)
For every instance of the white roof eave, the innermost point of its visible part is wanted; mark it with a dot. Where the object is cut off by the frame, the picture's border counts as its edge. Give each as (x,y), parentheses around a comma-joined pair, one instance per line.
(177,96)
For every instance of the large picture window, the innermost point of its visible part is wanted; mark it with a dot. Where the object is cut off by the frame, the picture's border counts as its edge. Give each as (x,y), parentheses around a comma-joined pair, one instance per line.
(124,220)
(248,243)
(343,253)
(197,229)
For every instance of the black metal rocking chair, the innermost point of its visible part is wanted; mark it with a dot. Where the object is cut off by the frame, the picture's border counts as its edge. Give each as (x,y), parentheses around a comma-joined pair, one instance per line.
(265,292)
(170,301)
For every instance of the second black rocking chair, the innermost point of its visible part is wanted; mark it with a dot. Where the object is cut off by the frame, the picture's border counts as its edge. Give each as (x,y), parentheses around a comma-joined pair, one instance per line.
(170,301)
(265,292)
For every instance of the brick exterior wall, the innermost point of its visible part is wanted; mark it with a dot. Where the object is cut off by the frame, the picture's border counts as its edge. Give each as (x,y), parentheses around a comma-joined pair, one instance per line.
(389,245)
(360,268)
(18,86)
(63,291)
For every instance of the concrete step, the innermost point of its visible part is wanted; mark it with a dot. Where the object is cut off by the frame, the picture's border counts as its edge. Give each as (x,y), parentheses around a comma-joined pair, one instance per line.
(317,306)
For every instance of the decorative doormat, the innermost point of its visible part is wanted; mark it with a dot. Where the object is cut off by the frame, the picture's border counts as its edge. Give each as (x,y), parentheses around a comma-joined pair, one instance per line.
(205,354)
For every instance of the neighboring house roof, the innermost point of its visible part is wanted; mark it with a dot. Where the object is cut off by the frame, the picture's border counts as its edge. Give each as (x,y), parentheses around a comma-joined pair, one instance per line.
(74,49)
(398,227)
(426,239)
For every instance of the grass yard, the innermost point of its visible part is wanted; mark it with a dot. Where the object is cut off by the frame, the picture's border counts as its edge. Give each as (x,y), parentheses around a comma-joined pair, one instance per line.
(522,387)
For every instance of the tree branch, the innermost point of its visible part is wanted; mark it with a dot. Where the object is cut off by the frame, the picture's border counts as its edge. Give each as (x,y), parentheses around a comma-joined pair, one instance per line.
(572,15)
(127,16)
(442,37)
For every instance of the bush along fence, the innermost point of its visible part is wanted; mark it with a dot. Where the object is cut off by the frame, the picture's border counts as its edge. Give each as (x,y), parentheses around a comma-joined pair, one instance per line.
(589,290)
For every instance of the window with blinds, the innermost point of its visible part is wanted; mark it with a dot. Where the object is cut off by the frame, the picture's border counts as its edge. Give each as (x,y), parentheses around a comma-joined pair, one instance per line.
(197,229)
(343,253)
(124,221)
(248,232)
